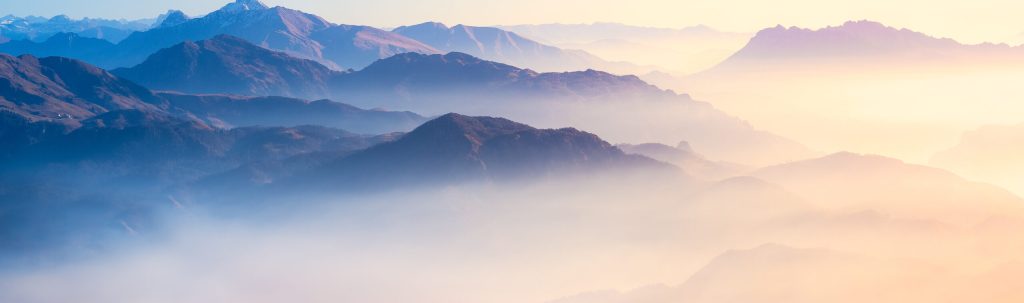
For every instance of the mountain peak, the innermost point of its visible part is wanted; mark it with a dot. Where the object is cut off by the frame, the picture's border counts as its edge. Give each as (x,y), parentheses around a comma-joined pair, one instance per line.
(455,147)
(852,26)
(477,129)
(244,5)
(61,88)
(424,25)
(853,39)
(229,64)
(172,18)
(63,36)
(863,23)
(60,19)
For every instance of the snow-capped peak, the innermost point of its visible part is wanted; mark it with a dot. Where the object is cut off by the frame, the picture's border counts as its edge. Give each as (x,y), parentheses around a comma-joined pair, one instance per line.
(244,5)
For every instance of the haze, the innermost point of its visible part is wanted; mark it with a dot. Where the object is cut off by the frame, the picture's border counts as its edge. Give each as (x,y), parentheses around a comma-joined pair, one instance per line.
(528,152)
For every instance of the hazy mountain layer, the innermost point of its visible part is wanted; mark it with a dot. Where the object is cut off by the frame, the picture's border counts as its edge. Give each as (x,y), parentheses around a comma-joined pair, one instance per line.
(435,84)
(68,91)
(39,29)
(854,81)
(679,51)
(990,154)
(226,64)
(294,32)
(495,44)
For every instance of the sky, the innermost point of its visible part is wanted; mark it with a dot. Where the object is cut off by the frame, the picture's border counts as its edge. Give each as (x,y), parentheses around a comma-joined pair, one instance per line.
(968,21)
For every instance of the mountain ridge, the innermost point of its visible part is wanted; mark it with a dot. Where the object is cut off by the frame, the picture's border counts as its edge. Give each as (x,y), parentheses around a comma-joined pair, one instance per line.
(496,44)
(858,41)
(282,29)
(434,84)
(68,91)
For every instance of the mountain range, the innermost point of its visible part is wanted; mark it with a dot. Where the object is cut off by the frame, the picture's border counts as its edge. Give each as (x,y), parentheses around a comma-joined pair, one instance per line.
(308,36)
(496,44)
(61,88)
(858,42)
(121,167)
(116,169)
(782,271)
(454,149)
(989,153)
(240,67)
(294,32)
(871,72)
(685,157)
(105,154)
(268,142)
(68,91)
(69,45)
(230,65)
(679,51)
(898,189)
(435,84)
(39,28)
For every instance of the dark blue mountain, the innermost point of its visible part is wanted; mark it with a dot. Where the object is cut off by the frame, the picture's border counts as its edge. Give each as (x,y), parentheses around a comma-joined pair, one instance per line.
(56,88)
(461,82)
(67,91)
(39,29)
(115,173)
(227,64)
(454,148)
(294,32)
(235,111)
(62,45)
(171,18)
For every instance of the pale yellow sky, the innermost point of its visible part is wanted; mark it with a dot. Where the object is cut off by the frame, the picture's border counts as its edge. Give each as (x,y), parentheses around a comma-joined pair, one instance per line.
(968,21)
(965,20)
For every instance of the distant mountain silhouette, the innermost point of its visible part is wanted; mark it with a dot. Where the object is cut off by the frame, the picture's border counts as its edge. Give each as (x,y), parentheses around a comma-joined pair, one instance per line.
(70,92)
(128,164)
(226,64)
(424,82)
(171,18)
(294,32)
(244,5)
(677,50)
(120,167)
(854,38)
(898,189)
(862,67)
(990,153)
(454,148)
(789,271)
(598,31)
(857,41)
(495,44)
(143,139)
(454,82)
(39,29)
(61,44)
(278,28)
(235,111)
(684,157)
